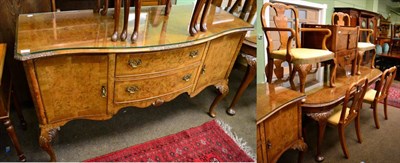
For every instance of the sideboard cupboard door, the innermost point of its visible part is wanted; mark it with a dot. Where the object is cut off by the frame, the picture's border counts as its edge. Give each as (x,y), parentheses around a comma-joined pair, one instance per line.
(216,66)
(73,86)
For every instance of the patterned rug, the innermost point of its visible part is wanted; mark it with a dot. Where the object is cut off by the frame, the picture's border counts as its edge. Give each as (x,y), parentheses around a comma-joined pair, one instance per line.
(394,94)
(211,142)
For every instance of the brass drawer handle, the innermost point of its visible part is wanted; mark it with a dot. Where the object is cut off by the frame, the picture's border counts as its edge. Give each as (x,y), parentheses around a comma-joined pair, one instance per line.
(203,69)
(269,145)
(103,91)
(347,57)
(134,62)
(132,89)
(187,77)
(194,53)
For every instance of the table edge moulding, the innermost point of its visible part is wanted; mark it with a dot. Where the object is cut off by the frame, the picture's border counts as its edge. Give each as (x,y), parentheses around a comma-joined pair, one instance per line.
(75,71)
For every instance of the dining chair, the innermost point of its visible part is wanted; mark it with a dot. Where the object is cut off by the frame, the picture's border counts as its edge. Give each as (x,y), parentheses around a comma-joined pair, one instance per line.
(380,93)
(288,31)
(343,19)
(343,114)
(5,96)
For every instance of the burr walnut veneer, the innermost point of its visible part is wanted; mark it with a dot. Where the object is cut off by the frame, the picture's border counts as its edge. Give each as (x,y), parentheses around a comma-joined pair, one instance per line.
(278,122)
(75,71)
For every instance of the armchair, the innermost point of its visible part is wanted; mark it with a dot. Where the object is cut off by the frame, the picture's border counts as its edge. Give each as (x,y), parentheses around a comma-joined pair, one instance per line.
(343,19)
(301,58)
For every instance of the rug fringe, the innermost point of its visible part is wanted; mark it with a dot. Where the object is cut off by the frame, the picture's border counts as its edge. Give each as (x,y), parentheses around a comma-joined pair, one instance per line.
(239,141)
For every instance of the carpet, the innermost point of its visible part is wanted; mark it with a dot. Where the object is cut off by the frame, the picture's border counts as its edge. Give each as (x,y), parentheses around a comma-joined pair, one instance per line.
(211,142)
(394,94)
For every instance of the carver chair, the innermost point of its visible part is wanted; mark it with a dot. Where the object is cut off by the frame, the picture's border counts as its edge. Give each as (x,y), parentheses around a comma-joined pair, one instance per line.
(343,114)
(301,58)
(380,93)
(343,19)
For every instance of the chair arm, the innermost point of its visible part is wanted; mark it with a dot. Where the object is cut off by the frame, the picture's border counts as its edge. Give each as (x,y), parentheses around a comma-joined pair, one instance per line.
(370,31)
(328,31)
(288,46)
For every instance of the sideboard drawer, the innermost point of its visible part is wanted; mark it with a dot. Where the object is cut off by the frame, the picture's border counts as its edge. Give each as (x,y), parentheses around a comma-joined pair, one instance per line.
(144,89)
(346,57)
(155,62)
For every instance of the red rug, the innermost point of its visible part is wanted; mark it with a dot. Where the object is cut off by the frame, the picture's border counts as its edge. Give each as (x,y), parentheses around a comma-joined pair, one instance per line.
(210,142)
(394,94)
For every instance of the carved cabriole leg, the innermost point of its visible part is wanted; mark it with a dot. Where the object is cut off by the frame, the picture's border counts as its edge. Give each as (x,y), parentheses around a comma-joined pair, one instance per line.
(303,70)
(124,32)
(105,9)
(278,69)
(359,60)
(203,25)
(343,141)
(373,58)
(117,9)
(168,6)
(291,78)
(322,119)
(13,136)
(195,17)
(332,78)
(97,9)
(249,76)
(223,91)
(138,6)
(301,146)
(46,136)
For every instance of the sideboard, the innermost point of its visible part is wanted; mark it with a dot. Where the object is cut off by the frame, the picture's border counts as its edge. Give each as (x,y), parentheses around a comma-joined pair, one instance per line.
(279,125)
(75,71)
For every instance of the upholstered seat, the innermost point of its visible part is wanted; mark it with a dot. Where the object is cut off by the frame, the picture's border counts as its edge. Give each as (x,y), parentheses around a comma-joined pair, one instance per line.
(370,95)
(304,55)
(365,46)
(335,117)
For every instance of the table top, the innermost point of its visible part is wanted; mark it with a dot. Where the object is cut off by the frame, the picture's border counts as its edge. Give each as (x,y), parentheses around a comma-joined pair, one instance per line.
(271,98)
(326,96)
(53,33)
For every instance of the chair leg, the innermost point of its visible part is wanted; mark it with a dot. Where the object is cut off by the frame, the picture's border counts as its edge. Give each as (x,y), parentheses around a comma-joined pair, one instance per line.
(357,125)
(333,73)
(292,73)
(343,141)
(385,108)
(359,60)
(269,69)
(375,111)
(303,70)
(373,58)
(14,139)
(19,111)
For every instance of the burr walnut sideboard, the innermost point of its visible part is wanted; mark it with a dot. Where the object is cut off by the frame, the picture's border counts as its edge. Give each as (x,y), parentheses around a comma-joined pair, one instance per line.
(279,124)
(75,71)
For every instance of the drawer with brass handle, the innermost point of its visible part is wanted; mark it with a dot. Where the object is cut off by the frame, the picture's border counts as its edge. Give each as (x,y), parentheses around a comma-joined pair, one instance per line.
(157,62)
(133,89)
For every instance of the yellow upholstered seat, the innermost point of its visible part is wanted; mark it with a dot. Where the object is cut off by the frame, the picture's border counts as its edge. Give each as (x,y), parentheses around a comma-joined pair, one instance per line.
(365,46)
(335,117)
(304,55)
(370,95)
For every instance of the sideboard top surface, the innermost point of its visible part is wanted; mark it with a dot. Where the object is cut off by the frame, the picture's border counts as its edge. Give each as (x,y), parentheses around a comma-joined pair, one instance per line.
(48,34)
(271,98)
